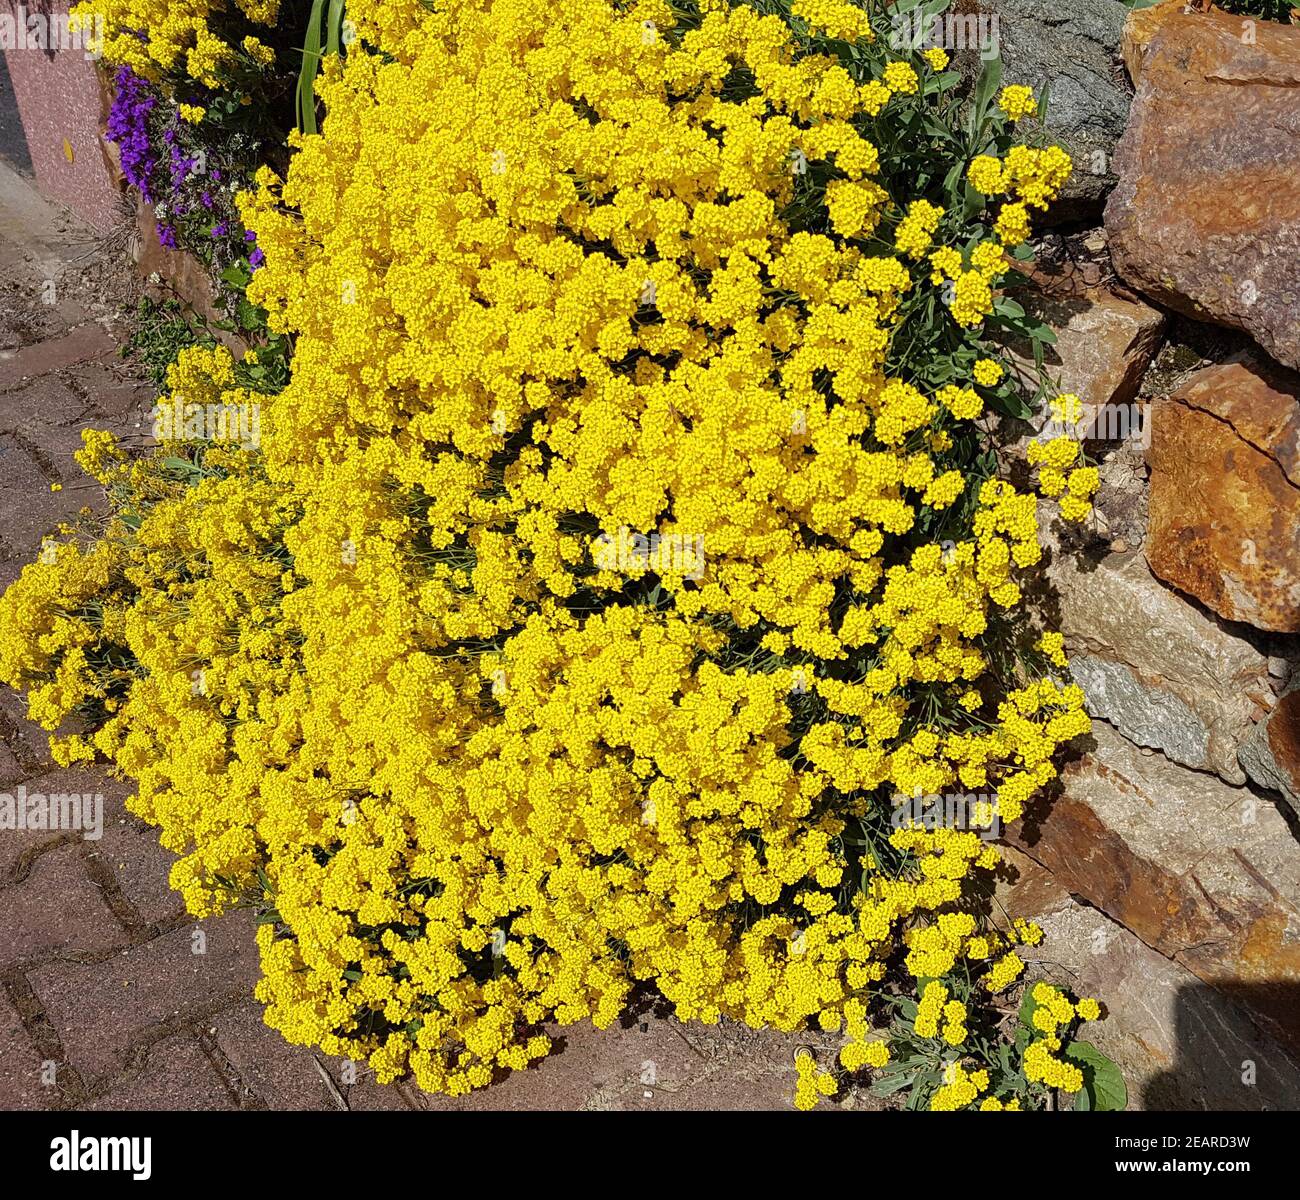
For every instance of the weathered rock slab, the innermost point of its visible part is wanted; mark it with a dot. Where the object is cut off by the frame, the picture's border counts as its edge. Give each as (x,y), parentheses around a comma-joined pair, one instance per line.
(1271,755)
(1224,519)
(1157,668)
(1142,25)
(1206,215)
(1205,874)
(1180,1044)
(1104,344)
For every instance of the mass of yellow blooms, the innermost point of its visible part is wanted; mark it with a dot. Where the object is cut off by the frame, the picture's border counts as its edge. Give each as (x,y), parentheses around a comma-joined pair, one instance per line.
(155,36)
(401,678)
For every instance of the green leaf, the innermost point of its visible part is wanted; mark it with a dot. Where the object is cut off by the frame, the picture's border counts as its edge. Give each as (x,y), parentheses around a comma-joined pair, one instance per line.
(334,28)
(1009,404)
(1104,1089)
(985,91)
(311,56)
(889,1084)
(1027,1006)
(953,177)
(251,318)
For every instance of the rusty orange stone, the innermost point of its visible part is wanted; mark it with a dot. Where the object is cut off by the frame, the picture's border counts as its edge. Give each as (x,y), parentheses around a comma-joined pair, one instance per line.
(1206,215)
(1225,494)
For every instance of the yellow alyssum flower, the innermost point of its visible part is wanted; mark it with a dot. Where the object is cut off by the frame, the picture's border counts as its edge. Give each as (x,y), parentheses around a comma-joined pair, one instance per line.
(154,36)
(1017,102)
(985,175)
(579,598)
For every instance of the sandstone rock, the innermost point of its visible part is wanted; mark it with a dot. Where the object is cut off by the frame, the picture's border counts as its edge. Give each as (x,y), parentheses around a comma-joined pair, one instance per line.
(1206,215)
(1225,499)
(1205,874)
(1271,755)
(182,273)
(1071,46)
(1143,24)
(1260,401)
(1157,668)
(1104,344)
(1120,505)
(1180,1045)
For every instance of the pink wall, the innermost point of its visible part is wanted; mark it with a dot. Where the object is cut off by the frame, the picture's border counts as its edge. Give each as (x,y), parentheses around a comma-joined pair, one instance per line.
(62,106)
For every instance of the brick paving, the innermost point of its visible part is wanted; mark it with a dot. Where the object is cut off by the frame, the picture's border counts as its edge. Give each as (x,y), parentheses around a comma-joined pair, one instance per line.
(105,1000)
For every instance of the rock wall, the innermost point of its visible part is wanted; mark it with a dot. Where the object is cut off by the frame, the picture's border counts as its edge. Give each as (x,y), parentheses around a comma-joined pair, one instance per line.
(1166,868)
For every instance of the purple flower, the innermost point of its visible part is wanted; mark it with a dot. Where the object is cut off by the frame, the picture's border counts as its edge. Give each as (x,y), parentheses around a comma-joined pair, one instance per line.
(257,258)
(250,236)
(167,237)
(128,126)
(220,230)
(180,164)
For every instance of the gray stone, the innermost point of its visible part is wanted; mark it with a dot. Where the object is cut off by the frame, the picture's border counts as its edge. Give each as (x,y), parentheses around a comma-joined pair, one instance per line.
(1072,46)
(1146,715)
(1178,661)
(1271,754)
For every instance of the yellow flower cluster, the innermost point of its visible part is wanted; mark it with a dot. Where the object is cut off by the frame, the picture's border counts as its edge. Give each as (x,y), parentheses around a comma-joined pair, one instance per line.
(937,1009)
(1054,459)
(838,19)
(155,36)
(812,1085)
(1052,1014)
(1033,177)
(1017,102)
(859,1051)
(398,678)
(961,1088)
